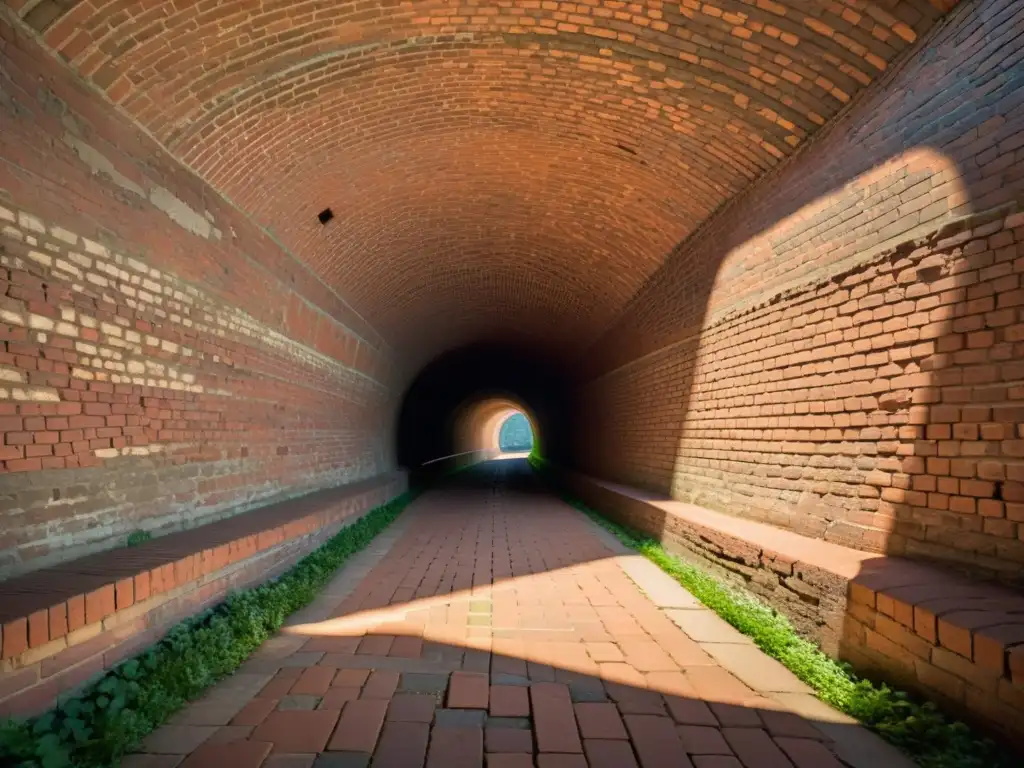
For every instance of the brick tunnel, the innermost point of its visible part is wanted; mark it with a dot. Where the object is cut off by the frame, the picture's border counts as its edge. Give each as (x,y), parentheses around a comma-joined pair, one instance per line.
(752,269)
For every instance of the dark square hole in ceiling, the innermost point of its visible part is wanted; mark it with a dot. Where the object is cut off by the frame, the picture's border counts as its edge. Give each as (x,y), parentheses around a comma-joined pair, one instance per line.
(325,215)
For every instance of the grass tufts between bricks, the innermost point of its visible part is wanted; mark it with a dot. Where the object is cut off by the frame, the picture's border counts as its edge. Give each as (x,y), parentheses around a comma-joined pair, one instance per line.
(918,728)
(112,715)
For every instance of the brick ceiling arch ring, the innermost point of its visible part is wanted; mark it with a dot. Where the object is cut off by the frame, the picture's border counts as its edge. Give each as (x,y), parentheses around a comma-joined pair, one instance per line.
(606,134)
(478,424)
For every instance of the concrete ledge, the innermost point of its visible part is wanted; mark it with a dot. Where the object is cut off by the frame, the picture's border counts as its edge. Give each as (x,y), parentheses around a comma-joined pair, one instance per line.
(63,625)
(953,640)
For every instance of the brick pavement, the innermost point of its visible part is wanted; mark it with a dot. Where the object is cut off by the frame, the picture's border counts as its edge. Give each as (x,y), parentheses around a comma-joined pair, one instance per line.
(495,625)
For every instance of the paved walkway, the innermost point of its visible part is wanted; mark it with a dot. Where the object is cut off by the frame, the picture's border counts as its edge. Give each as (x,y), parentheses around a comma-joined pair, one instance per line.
(494,625)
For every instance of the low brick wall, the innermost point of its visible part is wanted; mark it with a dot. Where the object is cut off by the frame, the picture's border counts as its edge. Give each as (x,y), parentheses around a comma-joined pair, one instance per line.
(955,641)
(54,642)
(793,582)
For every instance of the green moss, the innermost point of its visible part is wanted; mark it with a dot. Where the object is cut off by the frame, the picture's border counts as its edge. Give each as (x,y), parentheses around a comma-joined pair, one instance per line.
(138,537)
(924,733)
(114,713)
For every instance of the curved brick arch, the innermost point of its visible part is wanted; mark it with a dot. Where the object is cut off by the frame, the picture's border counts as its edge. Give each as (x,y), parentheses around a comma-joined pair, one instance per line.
(478,424)
(633,119)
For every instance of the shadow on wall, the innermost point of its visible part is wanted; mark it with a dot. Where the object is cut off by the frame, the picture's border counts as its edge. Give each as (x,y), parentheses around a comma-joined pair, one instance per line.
(849,364)
(839,353)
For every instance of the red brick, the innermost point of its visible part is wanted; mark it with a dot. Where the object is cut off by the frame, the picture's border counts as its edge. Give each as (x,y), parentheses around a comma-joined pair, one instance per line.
(15,637)
(462,747)
(468,690)
(380,685)
(244,754)
(314,681)
(509,701)
(124,594)
(610,754)
(412,708)
(753,747)
(58,619)
(508,740)
(991,645)
(298,730)
(598,720)
(255,712)
(76,612)
(359,726)
(554,723)
(38,629)
(655,740)
(806,753)
(402,745)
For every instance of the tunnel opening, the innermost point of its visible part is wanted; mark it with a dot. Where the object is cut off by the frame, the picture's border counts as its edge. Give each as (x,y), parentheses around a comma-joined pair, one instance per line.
(515,434)
(455,409)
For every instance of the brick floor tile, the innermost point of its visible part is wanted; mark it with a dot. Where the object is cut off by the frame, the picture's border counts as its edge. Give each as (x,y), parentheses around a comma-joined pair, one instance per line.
(277,687)
(647,656)
(499,760)
(755,749)
(332,644)
(350,678)
(335,698)
(229,733)
(407,647)
(456,748)
(702,740)
(603,753)
(687,711)
(313,681)
(288,761)
(656,741)
(807,753)
(412,708)
(599,721)
(380,685)
(759,672)
(510,701)
(375,645)
(342,760)
(636,701)
(716,761)
(716,684)
(508,740)
(237,754)
(789,724)
(402,745)
(553,719)
(468,690)
(604,652)
(507,665)
(177,739)
(254,712)
(460,718)
(561,761)
(736,716)
(359,726)
(297,730)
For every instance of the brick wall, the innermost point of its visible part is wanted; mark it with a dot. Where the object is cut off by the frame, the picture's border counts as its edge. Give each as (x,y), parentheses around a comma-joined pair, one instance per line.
(823,354)
(163,361)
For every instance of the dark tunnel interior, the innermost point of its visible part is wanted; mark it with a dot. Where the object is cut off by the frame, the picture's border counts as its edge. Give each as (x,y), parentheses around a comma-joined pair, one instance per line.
(426,426)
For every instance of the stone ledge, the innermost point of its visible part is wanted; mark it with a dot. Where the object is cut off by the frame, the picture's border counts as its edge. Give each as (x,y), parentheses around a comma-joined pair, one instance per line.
(956,641)
(98,610)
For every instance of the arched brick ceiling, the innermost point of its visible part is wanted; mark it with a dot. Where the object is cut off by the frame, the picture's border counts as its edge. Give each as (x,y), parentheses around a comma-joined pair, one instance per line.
(520,165)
